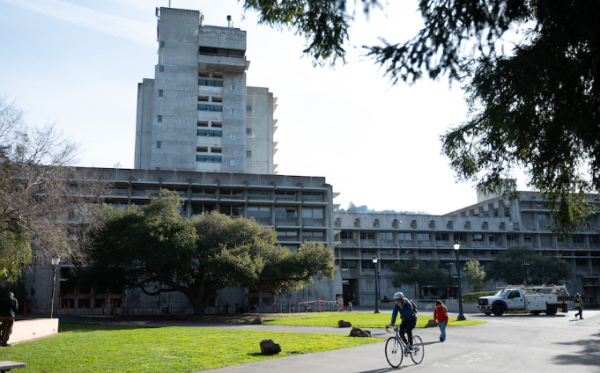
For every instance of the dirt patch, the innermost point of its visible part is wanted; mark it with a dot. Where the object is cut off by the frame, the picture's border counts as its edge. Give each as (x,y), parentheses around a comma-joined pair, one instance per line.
(211,319)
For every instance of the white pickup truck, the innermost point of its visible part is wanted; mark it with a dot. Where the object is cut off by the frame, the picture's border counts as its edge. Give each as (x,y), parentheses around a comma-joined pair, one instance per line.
(514,297)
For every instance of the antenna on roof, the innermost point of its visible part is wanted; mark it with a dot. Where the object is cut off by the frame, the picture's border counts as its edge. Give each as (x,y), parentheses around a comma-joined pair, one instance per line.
(228,21)
(169,3)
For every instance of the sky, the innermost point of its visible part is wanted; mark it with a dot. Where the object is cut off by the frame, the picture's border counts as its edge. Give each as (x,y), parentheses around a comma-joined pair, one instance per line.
(77,64)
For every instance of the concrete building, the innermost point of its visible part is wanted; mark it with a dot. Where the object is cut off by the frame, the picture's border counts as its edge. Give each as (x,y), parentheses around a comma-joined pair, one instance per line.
(197,114)
(484,230)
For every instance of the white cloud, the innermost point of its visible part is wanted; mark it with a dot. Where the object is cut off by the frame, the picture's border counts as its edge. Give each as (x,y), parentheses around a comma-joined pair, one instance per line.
(120,27)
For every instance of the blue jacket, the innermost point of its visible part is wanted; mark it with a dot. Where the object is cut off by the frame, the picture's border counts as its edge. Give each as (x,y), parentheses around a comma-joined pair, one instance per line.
(406,312)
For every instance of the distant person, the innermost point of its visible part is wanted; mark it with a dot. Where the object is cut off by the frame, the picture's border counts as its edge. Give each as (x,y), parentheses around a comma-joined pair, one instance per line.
(408,317)
(579,306)
(385,299)
(440,315)
(8,306)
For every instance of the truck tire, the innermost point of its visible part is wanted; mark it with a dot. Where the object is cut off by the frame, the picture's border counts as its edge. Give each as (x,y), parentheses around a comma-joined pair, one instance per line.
(551,311)
(488,313)
(498,310)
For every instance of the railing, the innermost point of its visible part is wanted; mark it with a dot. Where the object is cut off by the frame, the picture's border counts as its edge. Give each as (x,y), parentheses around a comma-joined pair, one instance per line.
(387,242)
(286,220)
(287,238)
(348,241)
(220,55)
(204,195)
(266,221)
(367,242)
(229,196)
(313,222)
(262,198)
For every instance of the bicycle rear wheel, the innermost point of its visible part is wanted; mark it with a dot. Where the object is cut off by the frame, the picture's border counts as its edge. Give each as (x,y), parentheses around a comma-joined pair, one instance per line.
(394,352)
(419,350)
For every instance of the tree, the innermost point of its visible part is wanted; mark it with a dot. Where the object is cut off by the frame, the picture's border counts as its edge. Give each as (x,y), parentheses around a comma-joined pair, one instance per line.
(535,107)
(475,275)
(157,250)
(508,266)
(43,201)
(421,272)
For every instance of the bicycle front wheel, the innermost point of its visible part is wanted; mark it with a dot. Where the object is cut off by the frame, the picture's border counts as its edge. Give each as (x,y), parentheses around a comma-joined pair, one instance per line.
(393,352)
(419,350)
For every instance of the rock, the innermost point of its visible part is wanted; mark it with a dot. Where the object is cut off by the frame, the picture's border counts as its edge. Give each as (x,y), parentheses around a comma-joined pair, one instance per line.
(356,332)
(344,324)
(257,321)
(268,347)
(430,323)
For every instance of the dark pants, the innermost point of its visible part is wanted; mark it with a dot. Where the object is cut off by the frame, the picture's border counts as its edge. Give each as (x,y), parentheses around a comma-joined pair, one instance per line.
(407,327)
(7,325)
(580,313)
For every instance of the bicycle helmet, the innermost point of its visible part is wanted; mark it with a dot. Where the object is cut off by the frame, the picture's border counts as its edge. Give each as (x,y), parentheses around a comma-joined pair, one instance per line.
(399,295)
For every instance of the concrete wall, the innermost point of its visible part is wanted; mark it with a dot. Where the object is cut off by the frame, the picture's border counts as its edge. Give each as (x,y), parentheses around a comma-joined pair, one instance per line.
(259,112)
(29,330)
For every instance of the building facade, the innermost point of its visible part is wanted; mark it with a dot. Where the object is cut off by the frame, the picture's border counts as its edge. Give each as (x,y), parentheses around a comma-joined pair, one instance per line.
(197,114)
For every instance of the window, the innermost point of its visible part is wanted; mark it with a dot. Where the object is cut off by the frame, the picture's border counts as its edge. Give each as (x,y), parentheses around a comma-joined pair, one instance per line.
(210,83)
(367,235)
(158,168)
(232,162)
(201,149)
(209,133)
(441,236)
(312,196)
(162,44)
(160,93)
(259,211)
(234,211)
(349,264)
(208,158)
(543,217)
(205,107)
(286,212)
(232,111)
(249,131)
(527,238)
(405,237)
(232,87)
(158,145)
(216,124)
(423,237)
(249,108)
(512,239)
(232,136)
(215,150)
(161,68)
(316,213)
(477,237)
(248,153)
(386,236)
(203,98)
(347,235)
(578,238)
(202,124)
(217,99)
(159,118)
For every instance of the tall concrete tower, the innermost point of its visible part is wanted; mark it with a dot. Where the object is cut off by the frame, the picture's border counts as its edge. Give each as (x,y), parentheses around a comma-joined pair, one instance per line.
(195,115)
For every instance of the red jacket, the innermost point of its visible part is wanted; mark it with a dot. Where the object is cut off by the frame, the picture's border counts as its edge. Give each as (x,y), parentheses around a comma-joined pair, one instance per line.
(440,315)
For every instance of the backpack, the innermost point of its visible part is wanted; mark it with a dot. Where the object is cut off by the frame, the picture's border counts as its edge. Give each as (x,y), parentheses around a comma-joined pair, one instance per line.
(414,306)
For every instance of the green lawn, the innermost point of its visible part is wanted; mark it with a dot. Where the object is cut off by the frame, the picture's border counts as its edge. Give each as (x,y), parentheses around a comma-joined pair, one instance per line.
(357,319)
(107,348)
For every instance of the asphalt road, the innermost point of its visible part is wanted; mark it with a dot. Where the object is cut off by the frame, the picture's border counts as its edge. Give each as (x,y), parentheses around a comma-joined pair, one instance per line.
(511,343)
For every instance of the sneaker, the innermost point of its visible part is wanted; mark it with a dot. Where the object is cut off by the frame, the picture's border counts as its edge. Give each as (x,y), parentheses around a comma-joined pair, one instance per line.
(407,349)
(441,339)
(417,349)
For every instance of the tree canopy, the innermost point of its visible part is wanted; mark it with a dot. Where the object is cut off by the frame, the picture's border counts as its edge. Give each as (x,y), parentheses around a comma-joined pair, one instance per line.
(516,264)
(475,276)
(157,250)
(43,201)
(423,272)
(534,106)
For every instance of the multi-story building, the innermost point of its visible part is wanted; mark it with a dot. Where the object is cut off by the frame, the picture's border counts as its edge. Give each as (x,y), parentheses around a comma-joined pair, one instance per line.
(197,114)
(484,230)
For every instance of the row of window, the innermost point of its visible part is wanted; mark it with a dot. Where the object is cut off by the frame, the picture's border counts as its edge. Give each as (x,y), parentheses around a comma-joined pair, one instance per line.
(236,194)
(208,158)
(462,237)
(210,83)
(209,133)
(205,107)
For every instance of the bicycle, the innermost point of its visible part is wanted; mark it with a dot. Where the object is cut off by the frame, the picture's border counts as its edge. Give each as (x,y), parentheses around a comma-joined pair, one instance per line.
(396,349)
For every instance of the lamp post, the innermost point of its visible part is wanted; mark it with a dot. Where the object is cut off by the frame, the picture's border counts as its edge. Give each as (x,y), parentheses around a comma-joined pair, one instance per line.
(449,264)
(460,304)
(376,285)
(55,261)
(414,268)
(526,265)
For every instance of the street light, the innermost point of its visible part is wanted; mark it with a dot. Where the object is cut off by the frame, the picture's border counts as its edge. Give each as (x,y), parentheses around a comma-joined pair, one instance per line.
(449,264)
(55,261)
(376,285)
(414,268)
(460,305)
(526,265)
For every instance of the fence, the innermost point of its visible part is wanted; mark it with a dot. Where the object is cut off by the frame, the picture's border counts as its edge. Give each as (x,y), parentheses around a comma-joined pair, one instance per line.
(154,308)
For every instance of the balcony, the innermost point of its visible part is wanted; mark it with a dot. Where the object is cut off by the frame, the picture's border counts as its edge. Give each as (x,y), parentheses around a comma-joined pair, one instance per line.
(293,221)
(262,221)
(203,196)
(313,222)
(386,242)
(222,63)
(287,238)
(366,242)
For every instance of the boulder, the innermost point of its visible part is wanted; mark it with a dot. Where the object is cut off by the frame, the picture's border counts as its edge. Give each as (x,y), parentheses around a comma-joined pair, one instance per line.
(430,323)
(257,321)
(268,347)
(356,332)
(344,324)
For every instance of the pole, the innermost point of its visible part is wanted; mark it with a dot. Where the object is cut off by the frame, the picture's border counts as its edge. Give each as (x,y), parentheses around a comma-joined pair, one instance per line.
(449,264)
(53,290)
(460,317)
(376,289)
(415,278)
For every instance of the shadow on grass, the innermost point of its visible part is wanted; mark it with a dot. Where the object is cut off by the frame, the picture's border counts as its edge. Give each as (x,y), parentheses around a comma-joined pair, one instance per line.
(85,328)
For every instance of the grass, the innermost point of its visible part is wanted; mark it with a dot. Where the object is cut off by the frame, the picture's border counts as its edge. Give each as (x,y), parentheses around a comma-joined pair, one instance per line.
(357,319)
(110,348)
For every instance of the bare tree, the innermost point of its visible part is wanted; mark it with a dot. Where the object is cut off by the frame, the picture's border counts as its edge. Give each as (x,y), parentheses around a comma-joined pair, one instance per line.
(46,205)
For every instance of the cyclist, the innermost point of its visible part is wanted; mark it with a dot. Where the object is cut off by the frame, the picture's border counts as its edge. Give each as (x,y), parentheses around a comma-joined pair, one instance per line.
(408,317)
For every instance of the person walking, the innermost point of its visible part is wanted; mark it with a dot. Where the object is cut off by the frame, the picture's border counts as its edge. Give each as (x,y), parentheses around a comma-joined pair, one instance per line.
(579,306)
(440,315)
(8,306)
(408,317)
